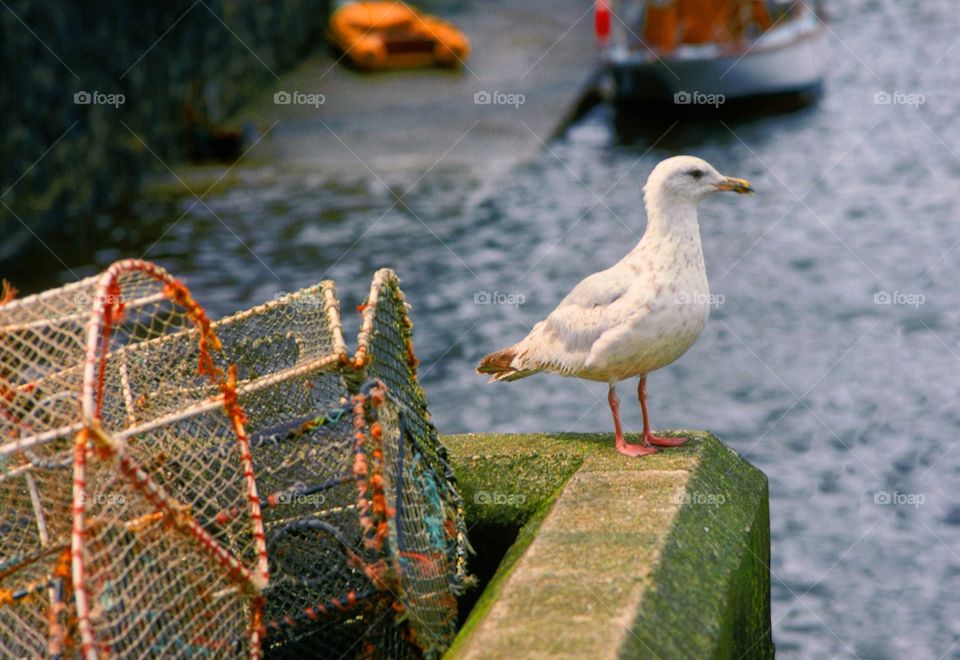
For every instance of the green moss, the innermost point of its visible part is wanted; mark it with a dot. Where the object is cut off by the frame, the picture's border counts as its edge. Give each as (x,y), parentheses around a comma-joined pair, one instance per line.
(723,526)
(506,485)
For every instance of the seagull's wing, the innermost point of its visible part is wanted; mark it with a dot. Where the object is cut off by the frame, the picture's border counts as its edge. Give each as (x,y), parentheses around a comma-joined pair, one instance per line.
(562,342)
(597,306)
(600,289)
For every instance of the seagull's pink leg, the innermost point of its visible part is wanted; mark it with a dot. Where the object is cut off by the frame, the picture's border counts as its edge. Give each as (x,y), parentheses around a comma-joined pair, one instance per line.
(624,447)
(647,432)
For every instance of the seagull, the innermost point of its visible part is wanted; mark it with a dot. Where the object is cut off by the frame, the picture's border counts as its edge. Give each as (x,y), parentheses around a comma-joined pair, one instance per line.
(640,314)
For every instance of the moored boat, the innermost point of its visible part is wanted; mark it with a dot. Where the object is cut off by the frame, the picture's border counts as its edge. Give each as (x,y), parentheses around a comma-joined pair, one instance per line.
(709,53)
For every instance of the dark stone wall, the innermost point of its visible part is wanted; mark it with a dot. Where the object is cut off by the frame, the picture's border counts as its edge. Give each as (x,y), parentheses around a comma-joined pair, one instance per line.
(170,59)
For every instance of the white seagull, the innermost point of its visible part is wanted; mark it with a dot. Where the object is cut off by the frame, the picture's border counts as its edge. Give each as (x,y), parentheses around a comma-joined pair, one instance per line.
(640,314)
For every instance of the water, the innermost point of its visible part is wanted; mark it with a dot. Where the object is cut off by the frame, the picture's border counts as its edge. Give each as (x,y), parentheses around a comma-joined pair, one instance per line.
(837,398)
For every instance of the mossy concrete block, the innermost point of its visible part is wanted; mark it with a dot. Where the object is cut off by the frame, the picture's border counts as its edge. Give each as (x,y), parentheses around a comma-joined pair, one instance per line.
(664,556)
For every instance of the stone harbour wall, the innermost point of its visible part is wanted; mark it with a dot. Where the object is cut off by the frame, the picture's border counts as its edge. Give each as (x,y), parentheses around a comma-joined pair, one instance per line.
(665,556)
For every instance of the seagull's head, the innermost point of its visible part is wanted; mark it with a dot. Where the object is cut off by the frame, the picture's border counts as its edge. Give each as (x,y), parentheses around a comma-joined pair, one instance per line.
(690,179)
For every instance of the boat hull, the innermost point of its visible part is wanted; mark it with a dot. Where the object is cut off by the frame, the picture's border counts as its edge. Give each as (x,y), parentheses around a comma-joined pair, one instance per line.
(795,67)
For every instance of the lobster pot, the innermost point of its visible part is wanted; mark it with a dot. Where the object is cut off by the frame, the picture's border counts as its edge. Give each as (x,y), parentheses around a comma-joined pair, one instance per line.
(363,522)
(430,545)
(357,534)
(42,342)
(175,486)
(108,393)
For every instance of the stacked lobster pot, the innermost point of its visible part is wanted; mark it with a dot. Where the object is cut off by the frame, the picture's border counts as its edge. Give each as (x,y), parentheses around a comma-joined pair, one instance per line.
(171,485)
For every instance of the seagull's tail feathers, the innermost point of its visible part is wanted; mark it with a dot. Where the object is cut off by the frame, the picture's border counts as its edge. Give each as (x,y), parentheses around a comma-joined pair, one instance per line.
(504,365)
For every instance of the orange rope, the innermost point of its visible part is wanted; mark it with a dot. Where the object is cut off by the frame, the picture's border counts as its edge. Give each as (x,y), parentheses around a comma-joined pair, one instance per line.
(9,293)
(179,294)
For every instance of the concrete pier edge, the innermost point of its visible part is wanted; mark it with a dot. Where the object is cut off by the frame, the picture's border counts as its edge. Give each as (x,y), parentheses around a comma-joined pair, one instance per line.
(665,556)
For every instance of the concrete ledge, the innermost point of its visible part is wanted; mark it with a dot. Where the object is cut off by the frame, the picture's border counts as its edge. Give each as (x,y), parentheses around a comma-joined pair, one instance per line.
(665,556)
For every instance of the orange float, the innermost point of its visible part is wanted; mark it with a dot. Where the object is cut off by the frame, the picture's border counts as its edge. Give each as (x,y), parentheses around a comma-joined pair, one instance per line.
(387,35)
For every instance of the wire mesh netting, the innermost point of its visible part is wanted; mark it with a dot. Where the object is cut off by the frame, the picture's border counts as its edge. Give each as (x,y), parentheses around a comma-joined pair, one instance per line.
(173,486)
(427,511)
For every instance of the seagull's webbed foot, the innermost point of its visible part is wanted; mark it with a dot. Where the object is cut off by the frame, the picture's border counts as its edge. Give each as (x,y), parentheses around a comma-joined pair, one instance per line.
(630,449)
(661,441)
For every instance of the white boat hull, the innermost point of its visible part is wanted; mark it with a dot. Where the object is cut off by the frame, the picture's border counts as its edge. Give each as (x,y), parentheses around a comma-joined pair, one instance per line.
(701,76)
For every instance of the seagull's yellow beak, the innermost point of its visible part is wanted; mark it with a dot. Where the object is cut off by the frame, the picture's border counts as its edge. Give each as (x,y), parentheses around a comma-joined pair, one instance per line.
(736,185)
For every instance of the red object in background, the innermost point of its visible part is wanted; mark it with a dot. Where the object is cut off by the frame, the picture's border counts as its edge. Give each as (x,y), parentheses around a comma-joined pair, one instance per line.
(601,21)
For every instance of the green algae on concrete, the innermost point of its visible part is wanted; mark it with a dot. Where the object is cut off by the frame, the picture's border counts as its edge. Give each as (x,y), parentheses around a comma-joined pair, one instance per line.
(665,556)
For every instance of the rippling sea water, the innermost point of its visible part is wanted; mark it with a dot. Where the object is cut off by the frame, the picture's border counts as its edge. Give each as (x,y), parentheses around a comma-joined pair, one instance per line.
(837,397)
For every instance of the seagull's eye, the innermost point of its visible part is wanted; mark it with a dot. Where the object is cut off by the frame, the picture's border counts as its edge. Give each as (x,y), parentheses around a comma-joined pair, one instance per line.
(696,174)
